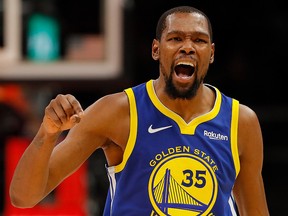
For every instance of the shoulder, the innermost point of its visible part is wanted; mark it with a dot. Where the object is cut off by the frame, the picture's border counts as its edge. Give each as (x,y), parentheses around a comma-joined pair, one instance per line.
(110,103)
(249,130)
(102,113)
(108,108)
(247,116)
(103,120)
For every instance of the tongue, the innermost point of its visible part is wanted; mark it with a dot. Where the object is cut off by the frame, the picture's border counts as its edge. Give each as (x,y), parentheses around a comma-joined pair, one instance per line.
(183,75)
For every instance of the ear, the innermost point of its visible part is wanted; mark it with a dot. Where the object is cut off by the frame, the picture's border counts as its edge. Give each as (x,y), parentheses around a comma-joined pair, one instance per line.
(155,50)
(211,59)
(212,53)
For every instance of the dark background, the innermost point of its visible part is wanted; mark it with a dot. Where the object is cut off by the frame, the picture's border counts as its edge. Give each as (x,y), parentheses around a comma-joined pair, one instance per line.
(250,65)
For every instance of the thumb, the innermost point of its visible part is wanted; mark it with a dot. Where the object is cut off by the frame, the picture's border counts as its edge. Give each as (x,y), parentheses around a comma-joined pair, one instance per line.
(76,118)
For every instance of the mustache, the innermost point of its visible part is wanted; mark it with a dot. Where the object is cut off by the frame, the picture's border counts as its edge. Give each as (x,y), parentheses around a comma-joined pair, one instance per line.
(185,56)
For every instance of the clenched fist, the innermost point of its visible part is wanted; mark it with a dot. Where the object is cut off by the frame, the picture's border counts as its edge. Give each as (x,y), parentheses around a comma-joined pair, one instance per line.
(62,113)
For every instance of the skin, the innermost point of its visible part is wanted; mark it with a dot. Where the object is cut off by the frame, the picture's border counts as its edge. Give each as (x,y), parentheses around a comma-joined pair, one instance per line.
(44,165)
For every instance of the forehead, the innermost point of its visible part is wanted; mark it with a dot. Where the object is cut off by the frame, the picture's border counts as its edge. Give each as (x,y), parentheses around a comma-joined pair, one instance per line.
(186,22)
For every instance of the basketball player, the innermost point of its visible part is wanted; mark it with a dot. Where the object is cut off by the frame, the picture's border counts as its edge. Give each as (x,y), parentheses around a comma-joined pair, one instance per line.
(174,145)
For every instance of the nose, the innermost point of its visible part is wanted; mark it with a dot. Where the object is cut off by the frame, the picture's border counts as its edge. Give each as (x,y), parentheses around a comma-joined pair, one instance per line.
(188,47)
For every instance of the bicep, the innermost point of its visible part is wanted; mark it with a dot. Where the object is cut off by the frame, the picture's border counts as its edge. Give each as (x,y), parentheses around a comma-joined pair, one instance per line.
(250,142)
(76,147)
(96,129)
(249,189)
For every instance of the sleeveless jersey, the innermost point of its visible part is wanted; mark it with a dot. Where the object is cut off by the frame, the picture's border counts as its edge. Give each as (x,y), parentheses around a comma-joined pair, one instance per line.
(175,168)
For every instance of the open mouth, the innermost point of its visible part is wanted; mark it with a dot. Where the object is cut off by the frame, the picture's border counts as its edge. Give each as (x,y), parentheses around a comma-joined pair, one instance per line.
(184,69)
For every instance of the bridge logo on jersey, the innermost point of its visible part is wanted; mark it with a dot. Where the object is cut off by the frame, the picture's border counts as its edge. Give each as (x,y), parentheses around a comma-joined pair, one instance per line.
(182,184)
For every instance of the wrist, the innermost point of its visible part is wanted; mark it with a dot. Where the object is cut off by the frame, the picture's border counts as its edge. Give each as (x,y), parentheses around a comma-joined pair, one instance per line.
(48,134)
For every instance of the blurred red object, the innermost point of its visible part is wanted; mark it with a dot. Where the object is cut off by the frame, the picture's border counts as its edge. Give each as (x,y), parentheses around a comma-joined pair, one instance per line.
(12,95)
(69,198)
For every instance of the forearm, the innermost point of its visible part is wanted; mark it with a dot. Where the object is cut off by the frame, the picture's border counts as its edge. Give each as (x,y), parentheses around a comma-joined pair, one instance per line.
(28,185)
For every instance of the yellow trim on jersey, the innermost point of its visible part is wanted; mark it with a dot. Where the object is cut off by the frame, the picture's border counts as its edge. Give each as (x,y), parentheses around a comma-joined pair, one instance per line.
(185,128)
(133,130)
(234,135)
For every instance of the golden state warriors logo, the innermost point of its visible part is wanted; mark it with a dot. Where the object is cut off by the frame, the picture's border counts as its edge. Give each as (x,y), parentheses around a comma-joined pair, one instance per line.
(182,184)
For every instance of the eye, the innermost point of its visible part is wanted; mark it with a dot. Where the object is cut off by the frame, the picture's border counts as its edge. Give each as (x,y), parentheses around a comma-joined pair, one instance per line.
(199,40)
(175,39)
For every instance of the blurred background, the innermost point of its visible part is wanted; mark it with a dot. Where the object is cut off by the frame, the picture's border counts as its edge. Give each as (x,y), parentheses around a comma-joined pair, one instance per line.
(96,47)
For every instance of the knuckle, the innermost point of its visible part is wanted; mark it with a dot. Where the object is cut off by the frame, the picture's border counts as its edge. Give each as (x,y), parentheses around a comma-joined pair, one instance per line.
(48,109)
(62,116)
(59,96)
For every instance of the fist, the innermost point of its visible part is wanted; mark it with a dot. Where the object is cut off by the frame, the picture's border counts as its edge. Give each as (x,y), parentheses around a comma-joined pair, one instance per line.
(62,113)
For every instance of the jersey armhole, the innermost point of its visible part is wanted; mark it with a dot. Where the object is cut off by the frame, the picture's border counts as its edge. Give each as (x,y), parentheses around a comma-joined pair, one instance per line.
(133,130)
(234,135)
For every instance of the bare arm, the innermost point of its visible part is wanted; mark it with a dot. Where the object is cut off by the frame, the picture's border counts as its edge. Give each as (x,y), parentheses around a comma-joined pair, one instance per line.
(249,189)
(28,184)
(45,164)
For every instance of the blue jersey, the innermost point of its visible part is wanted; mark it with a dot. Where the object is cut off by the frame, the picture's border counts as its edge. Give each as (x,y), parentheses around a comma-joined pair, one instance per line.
(171,167)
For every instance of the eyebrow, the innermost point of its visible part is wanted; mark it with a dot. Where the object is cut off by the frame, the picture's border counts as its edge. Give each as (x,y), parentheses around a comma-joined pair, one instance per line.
(183,32)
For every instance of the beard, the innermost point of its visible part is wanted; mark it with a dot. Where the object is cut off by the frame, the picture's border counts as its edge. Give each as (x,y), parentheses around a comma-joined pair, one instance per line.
(181,93)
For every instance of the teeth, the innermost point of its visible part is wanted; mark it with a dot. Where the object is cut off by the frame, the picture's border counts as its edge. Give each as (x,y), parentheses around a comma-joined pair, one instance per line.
(185,63)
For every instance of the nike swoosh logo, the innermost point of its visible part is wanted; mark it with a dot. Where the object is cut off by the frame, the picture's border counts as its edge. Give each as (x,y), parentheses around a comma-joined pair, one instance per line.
(155,130)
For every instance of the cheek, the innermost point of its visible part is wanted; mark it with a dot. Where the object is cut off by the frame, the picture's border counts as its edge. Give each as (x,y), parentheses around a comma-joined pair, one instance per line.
(167,50)
(203,69)
(166,57)
(164,69)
